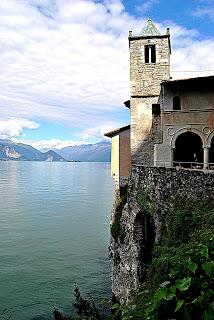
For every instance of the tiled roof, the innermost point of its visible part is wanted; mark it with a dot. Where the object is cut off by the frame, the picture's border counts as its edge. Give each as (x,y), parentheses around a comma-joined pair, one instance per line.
(189,79)
(197,83)
(149,29)
(116,131)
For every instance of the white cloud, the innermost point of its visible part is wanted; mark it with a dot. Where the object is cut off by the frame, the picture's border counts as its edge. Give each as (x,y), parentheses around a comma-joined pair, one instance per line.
(49,144)
(201,59)
(97,133)
(146,5)
(71,68)
(85,137)
(67,61)
(205,9)
(13,128)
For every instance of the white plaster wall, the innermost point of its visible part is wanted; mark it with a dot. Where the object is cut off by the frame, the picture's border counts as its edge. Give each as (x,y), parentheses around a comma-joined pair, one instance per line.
(164,152)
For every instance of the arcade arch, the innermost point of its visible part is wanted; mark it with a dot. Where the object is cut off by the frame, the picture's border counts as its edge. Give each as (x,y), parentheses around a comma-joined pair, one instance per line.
(188,150)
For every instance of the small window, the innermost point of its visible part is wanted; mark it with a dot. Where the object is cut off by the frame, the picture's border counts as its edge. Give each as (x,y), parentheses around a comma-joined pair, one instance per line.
(150,54)
(176,103)
(156,109)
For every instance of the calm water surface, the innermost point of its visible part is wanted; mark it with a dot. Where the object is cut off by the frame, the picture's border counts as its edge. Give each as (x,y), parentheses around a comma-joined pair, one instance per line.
(53,234)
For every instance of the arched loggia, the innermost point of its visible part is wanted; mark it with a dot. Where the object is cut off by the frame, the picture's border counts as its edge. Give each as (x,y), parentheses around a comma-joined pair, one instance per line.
(188,150)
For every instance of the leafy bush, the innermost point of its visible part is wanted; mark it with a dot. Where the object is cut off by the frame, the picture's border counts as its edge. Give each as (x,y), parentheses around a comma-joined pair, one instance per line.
(115,227)
(179,283)
(85,308)
(146,203)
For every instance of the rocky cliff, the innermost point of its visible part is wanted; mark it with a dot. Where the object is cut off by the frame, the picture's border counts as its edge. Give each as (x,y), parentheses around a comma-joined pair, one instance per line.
(141,219)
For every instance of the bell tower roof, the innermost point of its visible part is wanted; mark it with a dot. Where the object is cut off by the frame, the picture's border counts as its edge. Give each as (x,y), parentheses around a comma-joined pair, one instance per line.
(149,29)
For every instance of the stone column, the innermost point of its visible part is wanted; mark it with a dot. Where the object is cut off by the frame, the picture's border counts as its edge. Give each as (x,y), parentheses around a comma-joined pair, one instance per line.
(172,157)
(206,157)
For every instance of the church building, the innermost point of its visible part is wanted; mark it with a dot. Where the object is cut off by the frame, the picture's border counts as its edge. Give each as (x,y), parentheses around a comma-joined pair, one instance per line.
(172,121)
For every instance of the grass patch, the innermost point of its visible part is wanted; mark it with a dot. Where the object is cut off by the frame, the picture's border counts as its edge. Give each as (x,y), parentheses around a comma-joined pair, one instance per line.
(116,230)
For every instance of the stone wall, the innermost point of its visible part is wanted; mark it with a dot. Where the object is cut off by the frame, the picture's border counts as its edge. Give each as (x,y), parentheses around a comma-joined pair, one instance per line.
(146,77)
(124,157)
(142,148)
(145,134)
(129,251)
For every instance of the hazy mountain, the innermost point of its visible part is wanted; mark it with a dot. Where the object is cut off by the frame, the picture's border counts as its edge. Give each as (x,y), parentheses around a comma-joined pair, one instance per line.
(10,150)
(98,152)
(51,156)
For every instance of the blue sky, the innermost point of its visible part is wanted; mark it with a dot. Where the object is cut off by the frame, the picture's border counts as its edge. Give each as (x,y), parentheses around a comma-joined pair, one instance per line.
(65,63)
(193,14)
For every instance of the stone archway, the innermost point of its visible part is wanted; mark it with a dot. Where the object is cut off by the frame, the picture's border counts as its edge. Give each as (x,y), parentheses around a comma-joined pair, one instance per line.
(188,150)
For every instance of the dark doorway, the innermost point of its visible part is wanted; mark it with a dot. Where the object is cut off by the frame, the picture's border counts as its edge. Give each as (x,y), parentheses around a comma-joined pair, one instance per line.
(211,158)
(144,237)
(188,150)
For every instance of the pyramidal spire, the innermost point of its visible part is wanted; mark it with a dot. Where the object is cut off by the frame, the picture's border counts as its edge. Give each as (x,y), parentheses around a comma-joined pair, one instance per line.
(149,29)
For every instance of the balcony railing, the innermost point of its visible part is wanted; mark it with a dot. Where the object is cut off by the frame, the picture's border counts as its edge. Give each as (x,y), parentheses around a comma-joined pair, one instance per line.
(194,165)
(190,165)
(182,164)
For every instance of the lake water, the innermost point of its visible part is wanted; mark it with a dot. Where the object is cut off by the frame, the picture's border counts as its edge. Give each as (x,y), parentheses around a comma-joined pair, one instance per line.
(54,232)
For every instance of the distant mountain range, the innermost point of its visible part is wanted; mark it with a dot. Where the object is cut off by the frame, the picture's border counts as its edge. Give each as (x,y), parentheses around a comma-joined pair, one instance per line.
(10,150)
(99,152)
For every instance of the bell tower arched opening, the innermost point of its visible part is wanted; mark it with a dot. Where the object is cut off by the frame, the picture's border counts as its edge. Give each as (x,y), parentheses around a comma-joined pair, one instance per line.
(188,150)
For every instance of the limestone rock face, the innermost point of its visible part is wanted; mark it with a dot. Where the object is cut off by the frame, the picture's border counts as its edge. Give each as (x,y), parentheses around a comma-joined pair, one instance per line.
(11,153)
(141,225)
(124,257)
(10,150)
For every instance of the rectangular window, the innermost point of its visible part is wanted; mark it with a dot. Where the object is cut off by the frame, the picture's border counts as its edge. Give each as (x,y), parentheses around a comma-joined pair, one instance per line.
(150,54)
(156,109)
(147,54)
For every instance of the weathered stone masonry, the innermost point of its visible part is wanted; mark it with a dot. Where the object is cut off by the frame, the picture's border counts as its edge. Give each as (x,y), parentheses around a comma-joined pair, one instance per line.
(162,186)
(145,80)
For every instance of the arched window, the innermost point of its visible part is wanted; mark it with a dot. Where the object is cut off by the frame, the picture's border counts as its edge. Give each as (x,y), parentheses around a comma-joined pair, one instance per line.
(176,103)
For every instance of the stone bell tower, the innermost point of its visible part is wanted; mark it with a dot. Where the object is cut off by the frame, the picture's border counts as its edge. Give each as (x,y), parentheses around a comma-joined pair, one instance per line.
(149,66)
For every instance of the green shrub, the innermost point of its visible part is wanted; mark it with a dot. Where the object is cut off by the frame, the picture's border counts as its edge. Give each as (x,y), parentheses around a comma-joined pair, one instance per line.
(179,283)
(115,229)
(146,203)
(85,309)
